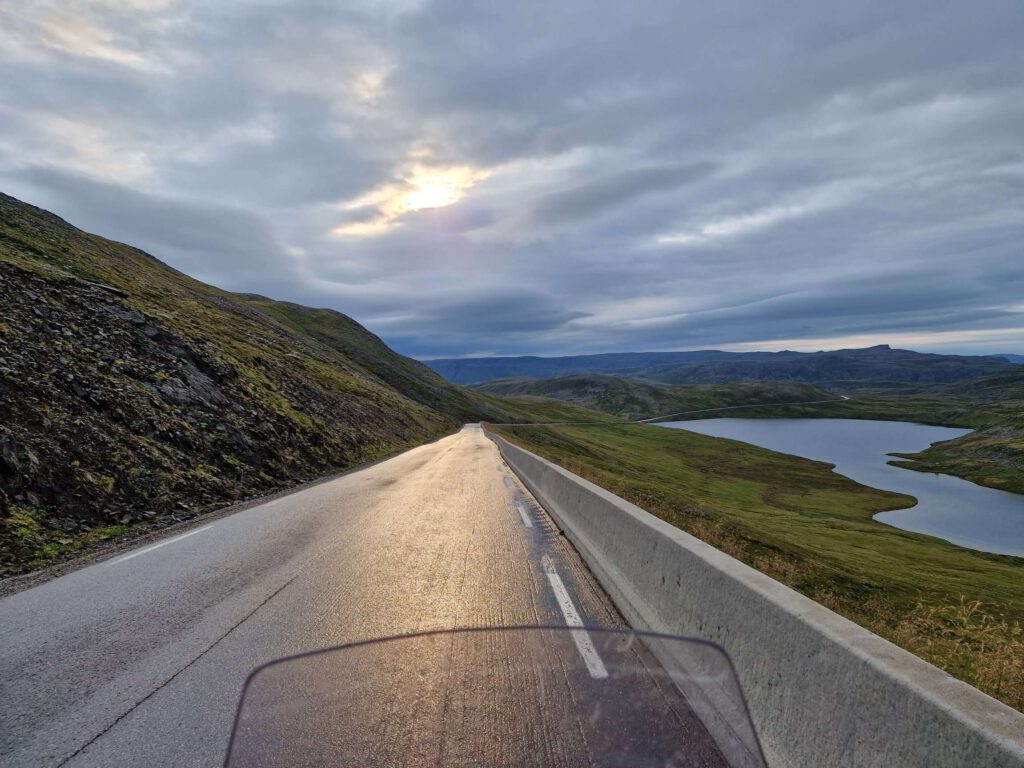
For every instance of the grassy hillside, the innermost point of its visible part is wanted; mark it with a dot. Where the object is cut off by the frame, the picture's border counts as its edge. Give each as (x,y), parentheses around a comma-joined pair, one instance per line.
(132,395)
(803,524)
(638,400)
(343,335)
(411,377)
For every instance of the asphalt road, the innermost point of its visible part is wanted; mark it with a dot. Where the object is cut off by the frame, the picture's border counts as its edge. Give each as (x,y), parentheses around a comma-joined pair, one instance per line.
(139,660)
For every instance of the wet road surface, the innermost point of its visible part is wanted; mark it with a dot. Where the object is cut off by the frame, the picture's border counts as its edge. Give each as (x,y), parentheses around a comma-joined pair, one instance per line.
(140,660)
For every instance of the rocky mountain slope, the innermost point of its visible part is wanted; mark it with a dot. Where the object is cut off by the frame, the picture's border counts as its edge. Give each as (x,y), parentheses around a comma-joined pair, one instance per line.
(133,395)
(838,369)
(637,400)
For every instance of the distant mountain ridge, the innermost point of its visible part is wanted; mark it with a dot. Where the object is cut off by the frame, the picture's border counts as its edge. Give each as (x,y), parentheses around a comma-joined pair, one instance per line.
(637,400)
(471,370)
(1019,359)
(850,368)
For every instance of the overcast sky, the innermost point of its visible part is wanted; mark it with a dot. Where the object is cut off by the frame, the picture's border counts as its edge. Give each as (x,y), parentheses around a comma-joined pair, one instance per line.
(549,177)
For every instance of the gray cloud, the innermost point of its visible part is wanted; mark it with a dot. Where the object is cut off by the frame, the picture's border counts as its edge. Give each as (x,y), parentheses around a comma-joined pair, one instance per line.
(502,311)
(204,239)
(695,174)
(613,192)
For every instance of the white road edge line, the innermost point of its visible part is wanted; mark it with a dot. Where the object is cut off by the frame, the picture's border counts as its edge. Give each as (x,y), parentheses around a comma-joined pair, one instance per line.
(522,513)
(161,544)
(572,618)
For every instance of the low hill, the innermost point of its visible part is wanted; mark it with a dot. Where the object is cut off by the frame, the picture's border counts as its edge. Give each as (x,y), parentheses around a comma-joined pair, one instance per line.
(993,454)
(1004,389)
(133,395)
(473,370)
(1019,359)
(839,369)
(638,400)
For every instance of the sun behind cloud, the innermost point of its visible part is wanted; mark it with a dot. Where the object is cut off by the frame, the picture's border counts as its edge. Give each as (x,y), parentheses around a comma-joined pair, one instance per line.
(422,187)
(438,188)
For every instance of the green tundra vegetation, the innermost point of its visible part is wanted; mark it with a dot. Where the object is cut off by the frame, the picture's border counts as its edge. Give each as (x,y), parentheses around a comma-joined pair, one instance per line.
(799,522)
(634,400)
(992,406)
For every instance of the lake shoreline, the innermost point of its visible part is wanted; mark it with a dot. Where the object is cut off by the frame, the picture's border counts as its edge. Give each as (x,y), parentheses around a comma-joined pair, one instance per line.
(951,508)
(991,454)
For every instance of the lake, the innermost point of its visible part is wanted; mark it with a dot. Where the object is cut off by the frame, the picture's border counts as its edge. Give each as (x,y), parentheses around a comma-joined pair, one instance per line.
(948,507)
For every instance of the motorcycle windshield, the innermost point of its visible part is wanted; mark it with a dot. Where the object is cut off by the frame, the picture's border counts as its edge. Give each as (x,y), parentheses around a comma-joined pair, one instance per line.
(533,696)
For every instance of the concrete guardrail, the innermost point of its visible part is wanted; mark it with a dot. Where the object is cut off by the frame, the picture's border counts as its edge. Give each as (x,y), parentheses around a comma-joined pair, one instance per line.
(823,691)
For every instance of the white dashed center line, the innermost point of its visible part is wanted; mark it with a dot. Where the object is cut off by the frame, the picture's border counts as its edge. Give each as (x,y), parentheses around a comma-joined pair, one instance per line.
(572,618)
(520,507)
